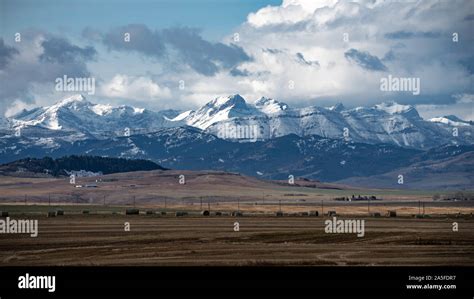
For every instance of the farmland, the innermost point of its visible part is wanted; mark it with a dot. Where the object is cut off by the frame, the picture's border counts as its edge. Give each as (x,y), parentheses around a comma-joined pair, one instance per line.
(421,233)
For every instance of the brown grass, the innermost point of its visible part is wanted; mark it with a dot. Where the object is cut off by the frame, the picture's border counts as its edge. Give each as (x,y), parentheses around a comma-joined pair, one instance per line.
(154,240)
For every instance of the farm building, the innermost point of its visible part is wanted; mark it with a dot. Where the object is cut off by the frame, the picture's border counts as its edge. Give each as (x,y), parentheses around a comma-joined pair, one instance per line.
(391,213)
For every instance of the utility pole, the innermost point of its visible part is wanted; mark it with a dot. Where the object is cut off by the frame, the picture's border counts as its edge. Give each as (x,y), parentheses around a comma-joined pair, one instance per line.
(322,207)
(423,209)
(419,207)
(368,205)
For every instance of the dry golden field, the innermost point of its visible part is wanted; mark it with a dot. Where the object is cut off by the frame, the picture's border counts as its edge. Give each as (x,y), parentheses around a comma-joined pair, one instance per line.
(99,238)
(261,240)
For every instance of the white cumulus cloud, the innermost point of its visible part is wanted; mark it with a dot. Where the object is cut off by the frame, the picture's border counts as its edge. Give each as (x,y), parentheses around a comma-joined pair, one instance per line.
(143,88)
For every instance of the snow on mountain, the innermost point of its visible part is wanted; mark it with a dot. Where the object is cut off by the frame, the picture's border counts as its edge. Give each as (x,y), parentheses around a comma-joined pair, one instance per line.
(270,106)
(220,109)
(387,124)
(232,118)
(450,120)
(102,109)
(182,115)
(77,115)
(64,115)
(390,123)
(393,108)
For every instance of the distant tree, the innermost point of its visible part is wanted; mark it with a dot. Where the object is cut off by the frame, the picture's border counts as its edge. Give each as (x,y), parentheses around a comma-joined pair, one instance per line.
(60,166)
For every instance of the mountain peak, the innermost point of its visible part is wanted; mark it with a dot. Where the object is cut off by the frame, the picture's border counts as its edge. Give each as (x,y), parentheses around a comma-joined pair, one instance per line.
(263,101)
(269,105)
(76,101)
(393,107)
(72,99)
(220,109)
(227,101)
(337,108)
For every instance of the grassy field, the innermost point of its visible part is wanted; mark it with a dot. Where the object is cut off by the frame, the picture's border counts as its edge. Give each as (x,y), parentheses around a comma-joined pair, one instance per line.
(157,186)
(100,238)
(262,240)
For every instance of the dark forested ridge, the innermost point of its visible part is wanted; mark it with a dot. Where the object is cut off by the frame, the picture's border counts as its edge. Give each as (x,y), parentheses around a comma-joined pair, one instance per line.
(59,166)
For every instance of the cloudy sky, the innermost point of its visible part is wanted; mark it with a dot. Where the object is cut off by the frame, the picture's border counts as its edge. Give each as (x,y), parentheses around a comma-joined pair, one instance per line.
(313,52)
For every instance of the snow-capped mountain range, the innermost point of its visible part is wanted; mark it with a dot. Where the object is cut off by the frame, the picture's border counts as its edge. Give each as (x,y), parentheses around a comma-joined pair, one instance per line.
(323,143)
(82,119)
(75,118)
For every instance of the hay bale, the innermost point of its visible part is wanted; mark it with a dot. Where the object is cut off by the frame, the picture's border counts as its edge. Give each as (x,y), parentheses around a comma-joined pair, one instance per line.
(331,213)
(59,213)
(218,213)
(4,214)
(51,214)
(132,212)
(314,213)
(375,214)
(181,214)
(279,214)
(392,213)
(205,213)
(85,212)
(237,214)
(150,212)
